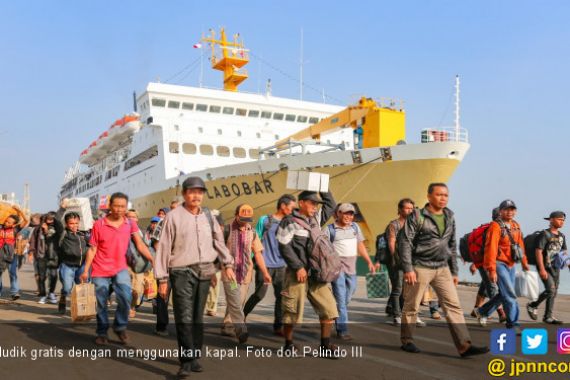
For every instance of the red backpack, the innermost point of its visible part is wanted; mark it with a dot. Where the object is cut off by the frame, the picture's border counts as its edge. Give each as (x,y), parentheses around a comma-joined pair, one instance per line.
(476,243)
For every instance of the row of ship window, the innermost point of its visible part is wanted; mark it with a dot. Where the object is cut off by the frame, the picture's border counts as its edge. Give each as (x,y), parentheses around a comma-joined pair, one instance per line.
(157,102)
(208,150)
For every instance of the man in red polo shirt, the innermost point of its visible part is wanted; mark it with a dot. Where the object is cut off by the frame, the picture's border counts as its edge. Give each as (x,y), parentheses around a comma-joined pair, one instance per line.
(107,260)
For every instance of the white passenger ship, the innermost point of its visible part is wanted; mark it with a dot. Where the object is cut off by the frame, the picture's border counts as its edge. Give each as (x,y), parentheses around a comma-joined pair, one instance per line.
(243,144)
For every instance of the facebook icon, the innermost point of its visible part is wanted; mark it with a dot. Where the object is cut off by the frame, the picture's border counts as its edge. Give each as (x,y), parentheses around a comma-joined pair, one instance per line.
(503,342)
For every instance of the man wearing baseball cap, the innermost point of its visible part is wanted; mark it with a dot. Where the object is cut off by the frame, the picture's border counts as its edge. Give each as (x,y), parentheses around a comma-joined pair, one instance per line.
(296,246)
(504,247)
(549,243)
(347,240)
(189,243)
(241,241)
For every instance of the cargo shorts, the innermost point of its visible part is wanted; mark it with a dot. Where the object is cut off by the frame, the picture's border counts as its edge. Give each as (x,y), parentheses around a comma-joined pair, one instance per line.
(293,299)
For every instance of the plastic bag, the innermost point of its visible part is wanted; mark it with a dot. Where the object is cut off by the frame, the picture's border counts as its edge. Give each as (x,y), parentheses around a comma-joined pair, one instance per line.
(527,285)
(150,286)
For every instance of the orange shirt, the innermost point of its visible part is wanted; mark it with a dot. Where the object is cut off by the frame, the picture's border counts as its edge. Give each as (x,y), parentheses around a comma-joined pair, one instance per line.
(498,246)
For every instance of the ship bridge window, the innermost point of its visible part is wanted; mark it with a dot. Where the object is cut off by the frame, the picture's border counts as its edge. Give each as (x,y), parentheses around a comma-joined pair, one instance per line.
(241,112)
(188,106)
(290,117)
(313,120)
(228,111)
(278,116)
(239,153)
(265,115)
(142,157)
(254,153)
(158,102)
(223,151)
(189,148)
(253,113)
(173,147)
(215,109)
(239,133)
(173,104)
(206,150)
(301,119)
(202,107)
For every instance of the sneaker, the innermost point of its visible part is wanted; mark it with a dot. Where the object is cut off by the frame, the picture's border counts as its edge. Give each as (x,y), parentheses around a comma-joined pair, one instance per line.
(52,299)
(15,297)
(291,351)
(163,333)
(195,366)
(480,318)
(411,348)
(474,350)
(329,352)
(397,321)
(42,300)
(532,312)
(184,371)
(552,321)
(101,341)
(344,337)
(123,337)
(420,323)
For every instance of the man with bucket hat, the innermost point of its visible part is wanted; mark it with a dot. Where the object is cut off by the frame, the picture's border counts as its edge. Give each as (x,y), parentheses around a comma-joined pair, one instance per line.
(551,256)
(189,244)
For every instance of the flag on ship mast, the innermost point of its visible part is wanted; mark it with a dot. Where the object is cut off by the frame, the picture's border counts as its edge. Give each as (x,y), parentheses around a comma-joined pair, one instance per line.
(197,46)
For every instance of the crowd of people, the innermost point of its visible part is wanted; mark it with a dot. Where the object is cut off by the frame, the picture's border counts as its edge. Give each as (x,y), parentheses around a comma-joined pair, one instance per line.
(192,253)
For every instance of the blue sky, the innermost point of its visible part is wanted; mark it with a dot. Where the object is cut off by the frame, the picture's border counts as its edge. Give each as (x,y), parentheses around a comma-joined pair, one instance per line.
(68,69)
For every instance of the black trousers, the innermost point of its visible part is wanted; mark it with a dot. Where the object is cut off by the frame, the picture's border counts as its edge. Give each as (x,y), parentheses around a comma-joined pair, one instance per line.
(278,281)
(45,273)
(189,296)
(396,299)
(162,319)
(550,290)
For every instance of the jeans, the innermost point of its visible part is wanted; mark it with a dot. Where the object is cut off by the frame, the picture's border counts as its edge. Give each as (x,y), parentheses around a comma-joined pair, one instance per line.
(550,290)
(121,283)
(13,272)
(277,280)
(188,300)
(162,311)
(45,273)
(396,300)
(343,289)
(506,296)
(486,288)
(69,275)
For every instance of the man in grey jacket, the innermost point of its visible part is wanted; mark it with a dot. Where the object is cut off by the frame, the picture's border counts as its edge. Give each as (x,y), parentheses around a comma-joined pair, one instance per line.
(428,252)
(189,244)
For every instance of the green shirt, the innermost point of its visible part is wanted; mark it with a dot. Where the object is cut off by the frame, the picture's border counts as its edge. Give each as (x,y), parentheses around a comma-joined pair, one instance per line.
(440,221)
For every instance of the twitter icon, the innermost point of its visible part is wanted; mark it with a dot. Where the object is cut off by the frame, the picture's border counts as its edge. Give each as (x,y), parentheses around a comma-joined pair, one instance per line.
(534,341)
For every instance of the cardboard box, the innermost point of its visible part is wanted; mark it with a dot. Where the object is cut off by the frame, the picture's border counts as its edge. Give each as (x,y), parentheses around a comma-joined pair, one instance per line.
(83,302)
(303,180)
(83,208)
(6,209)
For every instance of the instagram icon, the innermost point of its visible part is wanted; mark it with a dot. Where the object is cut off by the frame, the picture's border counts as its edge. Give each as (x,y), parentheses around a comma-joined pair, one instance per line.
(563,341)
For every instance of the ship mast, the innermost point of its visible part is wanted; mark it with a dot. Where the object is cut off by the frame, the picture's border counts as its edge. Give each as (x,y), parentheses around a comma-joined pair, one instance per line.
(457,125)
(230,59)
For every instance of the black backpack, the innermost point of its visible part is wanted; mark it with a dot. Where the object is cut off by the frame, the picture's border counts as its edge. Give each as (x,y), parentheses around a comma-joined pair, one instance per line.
(530,246)
(464,248)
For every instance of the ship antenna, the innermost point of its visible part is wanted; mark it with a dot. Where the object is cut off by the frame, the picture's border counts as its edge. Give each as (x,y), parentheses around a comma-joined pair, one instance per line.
(301,69)
(135,101)
(457,125)
(268,87)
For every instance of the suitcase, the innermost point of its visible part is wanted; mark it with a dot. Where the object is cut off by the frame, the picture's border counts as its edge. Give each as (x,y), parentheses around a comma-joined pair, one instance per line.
(83,302)
(377,285)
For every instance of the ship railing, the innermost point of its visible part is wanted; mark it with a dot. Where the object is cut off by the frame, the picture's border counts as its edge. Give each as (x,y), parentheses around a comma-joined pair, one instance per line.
(446,134)
(292,147)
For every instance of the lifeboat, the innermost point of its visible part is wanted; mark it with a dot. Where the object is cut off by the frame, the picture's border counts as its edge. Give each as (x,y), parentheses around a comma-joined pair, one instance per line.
(114,130)
(106,143)
(126,127)
(83,157)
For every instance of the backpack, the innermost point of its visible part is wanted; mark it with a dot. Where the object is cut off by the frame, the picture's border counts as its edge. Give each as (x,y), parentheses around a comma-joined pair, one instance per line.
(332,230)
(382,254)
(324,262)
(530,242)
(472,245)
(137,262)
